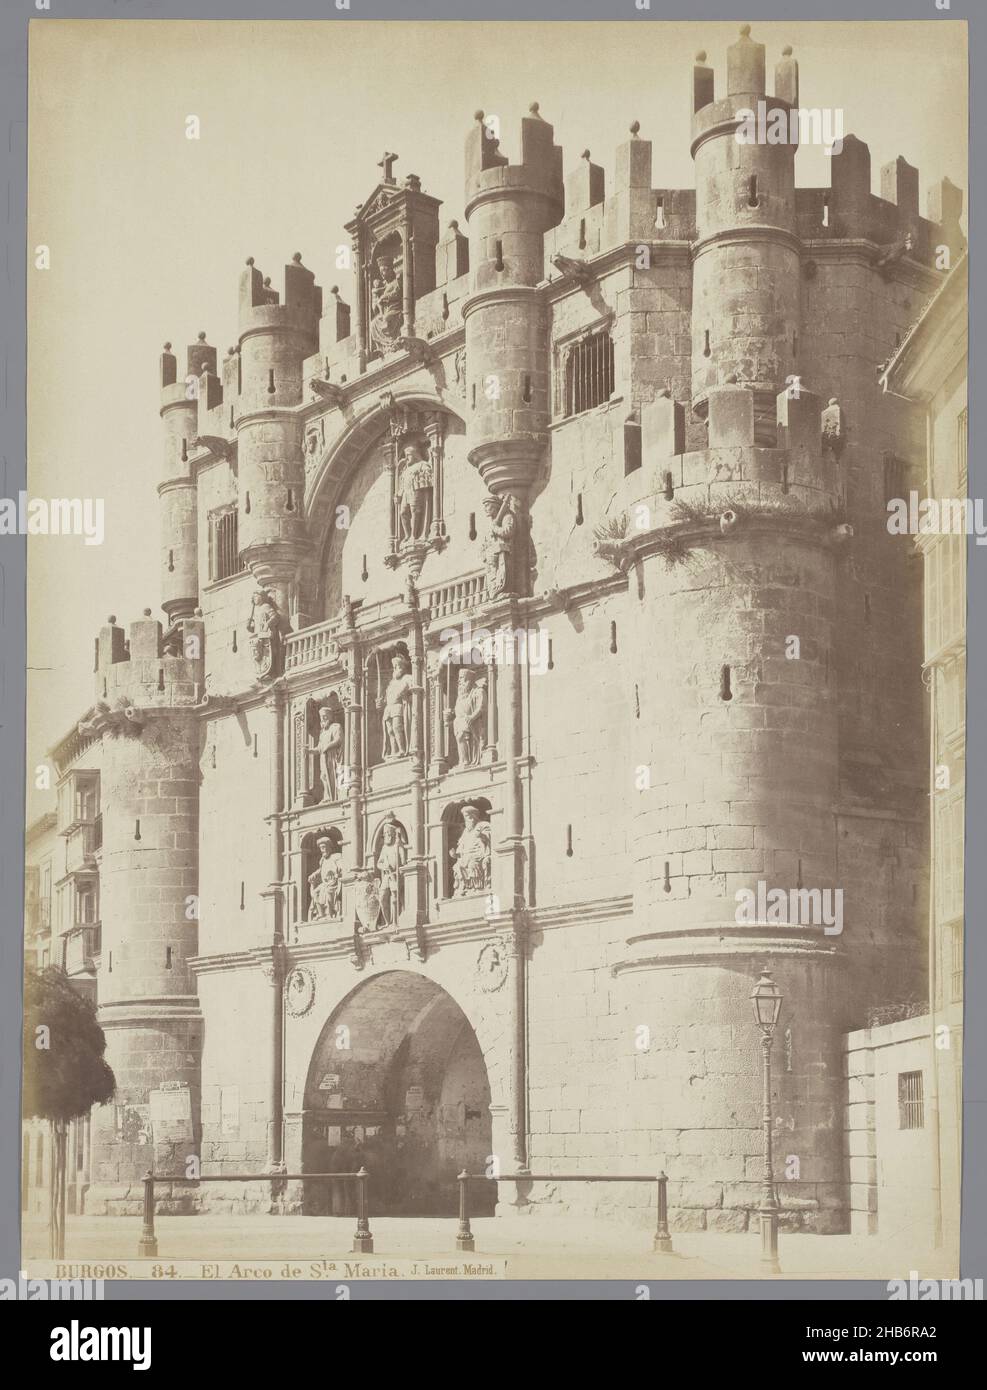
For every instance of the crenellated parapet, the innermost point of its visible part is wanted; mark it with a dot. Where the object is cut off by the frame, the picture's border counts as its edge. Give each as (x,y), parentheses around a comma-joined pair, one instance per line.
(148,666)
(849,210)
(277,333)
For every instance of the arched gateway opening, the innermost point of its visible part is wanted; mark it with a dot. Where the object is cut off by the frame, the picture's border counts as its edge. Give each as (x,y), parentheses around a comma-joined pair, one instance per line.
(398,1084)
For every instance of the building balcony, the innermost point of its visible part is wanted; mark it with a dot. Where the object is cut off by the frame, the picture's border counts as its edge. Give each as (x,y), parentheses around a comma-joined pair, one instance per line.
(78,799)
(313,646)
(79,945)
(82,843)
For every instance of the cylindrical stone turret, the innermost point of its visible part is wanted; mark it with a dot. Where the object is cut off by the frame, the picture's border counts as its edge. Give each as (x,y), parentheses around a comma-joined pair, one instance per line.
(509,208)
(745,305)
(177,489)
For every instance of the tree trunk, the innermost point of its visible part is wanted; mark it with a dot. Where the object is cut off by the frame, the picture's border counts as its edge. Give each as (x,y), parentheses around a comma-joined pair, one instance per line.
(56,1190)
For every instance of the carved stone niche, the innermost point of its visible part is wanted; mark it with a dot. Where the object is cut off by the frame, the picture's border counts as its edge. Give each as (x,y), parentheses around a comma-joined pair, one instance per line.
(379,889)
(392,725)
(394,235)
(319,752)
(463,701)
(321,894)
(414,459)
(466,848)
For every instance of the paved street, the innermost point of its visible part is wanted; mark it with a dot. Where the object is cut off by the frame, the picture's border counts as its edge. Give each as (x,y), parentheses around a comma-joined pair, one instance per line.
(533,1247)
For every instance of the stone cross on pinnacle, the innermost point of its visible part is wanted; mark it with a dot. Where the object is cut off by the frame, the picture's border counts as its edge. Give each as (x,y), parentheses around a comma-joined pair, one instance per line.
(386,164)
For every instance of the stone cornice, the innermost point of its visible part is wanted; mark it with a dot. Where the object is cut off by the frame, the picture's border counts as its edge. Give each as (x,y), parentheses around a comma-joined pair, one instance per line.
(723,943)
(437,934)
(864,252)
(758,232)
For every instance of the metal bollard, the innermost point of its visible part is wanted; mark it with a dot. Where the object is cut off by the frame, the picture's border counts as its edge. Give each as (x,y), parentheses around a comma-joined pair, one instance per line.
(663,1240)
(464,1236)
(363,1241)
(147,1246)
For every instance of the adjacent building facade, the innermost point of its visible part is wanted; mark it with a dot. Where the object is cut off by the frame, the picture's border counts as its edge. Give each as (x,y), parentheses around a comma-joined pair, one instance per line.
(905,1073)
(519,615)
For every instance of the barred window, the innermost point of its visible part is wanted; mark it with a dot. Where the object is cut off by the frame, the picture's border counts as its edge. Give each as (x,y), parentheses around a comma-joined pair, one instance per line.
(588,373)
(961,445)
(911,1107)
(223,546)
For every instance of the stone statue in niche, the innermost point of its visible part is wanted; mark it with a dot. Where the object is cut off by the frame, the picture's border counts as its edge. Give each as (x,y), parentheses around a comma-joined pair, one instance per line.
(386,304)
(469,717)
(267,626)
(414,491)
(396,705)
(328,748)
(390,856)
(498,546)
(471,856)
(326,883)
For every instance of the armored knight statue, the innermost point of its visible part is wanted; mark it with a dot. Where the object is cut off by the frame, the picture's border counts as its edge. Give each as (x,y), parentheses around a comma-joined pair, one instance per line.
(267,627)
(390,857)
(414,495)
(396,705)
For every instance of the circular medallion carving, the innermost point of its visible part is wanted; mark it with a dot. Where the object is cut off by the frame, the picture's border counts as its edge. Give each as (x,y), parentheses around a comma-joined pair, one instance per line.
(299,991)
(491,965)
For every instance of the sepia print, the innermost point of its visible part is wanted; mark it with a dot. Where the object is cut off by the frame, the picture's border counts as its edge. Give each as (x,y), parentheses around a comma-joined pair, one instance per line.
(496,768)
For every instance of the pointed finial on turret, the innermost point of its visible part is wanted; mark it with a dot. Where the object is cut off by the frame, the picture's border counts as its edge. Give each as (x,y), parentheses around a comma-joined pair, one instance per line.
(335,291)
(701,56)
(112,619)
(787,77)
(147,613)
(267,279)
(454,225)
(478,115)
(250,260)
(297,258)
(635,128)
(167,347)
(584,155)
(745,31)
(534,109)
(230,351)
(202,337)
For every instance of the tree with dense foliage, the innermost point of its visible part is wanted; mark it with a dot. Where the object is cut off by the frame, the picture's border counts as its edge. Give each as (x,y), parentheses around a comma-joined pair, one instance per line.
(65,1072)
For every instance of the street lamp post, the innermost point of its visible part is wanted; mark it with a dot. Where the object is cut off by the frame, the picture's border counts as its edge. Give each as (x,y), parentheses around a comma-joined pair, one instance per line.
(766,1002)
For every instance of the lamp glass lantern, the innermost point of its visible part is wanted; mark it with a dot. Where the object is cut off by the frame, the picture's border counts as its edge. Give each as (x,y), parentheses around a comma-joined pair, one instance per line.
(766,1002)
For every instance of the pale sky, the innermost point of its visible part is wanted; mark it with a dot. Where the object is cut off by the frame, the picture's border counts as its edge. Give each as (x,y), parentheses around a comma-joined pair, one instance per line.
(149,230)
